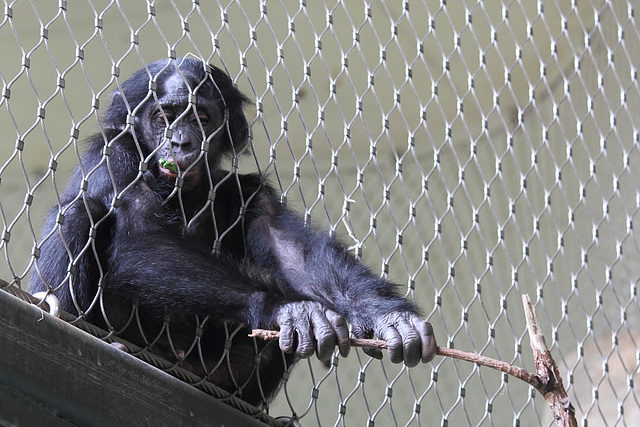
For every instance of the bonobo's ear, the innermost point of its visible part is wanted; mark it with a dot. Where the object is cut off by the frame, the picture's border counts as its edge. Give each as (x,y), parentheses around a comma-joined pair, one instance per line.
(116,116)
(129,95)
(238,131)
(234,101)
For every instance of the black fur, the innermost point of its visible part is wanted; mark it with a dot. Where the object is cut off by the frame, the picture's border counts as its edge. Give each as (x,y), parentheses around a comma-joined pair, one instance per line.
(128,248)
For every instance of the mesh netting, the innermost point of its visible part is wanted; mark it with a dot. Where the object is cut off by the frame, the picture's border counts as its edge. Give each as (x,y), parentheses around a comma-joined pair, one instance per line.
(470,152)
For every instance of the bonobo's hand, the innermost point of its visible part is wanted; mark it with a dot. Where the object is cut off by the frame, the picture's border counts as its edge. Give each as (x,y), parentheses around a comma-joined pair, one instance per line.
(409,337)
(307,325)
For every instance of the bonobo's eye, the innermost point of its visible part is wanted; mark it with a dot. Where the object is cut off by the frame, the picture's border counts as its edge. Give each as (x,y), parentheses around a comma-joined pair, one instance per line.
(203,118)
(160,117)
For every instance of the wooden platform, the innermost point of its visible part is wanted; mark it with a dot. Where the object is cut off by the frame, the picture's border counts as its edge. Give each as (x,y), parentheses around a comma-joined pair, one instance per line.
(52,374)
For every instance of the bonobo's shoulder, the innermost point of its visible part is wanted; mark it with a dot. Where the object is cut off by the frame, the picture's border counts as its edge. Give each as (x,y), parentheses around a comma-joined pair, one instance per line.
(256,180)
(248,183)
(121,147)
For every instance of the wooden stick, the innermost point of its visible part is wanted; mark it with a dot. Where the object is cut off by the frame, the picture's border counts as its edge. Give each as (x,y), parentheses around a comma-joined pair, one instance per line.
(551,387)
(547,381)
(478,359)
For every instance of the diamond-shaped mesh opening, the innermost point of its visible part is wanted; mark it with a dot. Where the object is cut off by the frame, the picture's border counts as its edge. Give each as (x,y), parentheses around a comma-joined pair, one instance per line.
(470,152)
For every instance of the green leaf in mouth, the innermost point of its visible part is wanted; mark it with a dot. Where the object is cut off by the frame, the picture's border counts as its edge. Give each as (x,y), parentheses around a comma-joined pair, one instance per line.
(169,165)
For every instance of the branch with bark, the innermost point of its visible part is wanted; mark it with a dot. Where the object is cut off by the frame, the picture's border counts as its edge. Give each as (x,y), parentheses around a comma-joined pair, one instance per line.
(547,380)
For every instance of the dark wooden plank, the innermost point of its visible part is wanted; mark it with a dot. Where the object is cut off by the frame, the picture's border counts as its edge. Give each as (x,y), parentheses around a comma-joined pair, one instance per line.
(17,409)
(69,376)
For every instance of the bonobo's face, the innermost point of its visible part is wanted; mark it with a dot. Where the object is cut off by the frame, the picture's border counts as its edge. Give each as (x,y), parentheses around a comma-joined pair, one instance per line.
(191,118)
(187,132)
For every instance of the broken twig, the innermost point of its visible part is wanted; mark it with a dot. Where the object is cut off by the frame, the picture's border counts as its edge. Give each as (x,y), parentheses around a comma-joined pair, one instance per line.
(547,381)
(478,359)
(551,387)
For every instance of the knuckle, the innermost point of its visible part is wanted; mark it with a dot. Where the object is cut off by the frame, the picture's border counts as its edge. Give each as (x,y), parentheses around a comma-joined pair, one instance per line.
(411,337)
(305,349)
(412,345)
(286,345)
(325,336)
(428,328)
(394,343)
(333,317)
(340,324)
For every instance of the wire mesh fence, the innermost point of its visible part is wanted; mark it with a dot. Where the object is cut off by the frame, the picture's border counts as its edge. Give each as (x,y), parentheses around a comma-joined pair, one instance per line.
(470,152)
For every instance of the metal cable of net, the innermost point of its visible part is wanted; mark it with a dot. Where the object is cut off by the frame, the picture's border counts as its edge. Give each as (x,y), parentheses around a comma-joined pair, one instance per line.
(470,152)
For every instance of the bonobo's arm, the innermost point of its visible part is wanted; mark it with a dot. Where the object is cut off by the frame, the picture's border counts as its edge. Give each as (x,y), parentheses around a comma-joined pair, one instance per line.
(68,260)
(167,275)
(318,267)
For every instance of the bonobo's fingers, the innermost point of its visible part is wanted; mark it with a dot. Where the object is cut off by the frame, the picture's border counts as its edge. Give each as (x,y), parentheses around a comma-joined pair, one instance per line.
(285,319)
(306,343)
(287,340)
(429,346)
(411,345)
(341,331)
(324,334)
(314,326)
(409,338)
(386,329)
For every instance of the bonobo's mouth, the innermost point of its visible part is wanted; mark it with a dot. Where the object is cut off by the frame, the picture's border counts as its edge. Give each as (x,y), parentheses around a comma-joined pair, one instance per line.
(172,169)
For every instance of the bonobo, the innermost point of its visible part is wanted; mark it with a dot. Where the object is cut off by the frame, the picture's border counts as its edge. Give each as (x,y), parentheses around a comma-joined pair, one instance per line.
(154,241)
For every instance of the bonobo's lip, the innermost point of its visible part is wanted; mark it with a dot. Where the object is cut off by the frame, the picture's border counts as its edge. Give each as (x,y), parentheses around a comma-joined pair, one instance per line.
(182,166)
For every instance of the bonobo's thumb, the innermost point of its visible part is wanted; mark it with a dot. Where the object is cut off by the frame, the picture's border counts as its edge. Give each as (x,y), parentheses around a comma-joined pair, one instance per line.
(362,333)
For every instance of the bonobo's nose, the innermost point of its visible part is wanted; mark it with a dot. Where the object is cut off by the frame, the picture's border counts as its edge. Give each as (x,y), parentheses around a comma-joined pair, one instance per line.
(180,140)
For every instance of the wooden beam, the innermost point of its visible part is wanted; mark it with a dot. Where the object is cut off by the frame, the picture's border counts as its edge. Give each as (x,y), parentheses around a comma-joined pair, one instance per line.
(49,368)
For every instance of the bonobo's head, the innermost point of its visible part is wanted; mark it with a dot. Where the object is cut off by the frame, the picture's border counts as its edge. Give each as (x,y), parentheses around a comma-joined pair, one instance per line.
(185,112)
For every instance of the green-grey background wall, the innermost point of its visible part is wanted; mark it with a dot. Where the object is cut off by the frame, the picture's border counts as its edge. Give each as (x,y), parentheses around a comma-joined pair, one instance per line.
(470,151)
